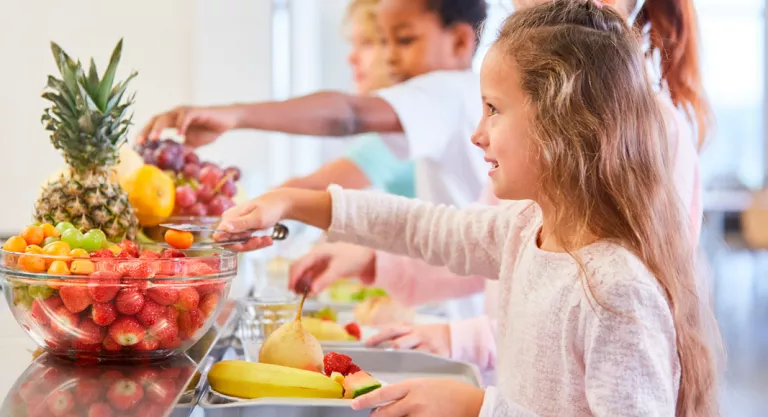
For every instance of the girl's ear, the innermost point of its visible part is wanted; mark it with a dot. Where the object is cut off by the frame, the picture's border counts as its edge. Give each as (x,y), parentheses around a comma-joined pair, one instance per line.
(465,41)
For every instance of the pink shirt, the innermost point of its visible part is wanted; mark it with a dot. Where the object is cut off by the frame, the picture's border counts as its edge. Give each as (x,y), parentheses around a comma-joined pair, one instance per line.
(559,353)
(414,282)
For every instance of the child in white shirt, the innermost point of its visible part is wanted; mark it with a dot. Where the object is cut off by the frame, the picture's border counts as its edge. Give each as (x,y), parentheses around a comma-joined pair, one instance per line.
(599,313)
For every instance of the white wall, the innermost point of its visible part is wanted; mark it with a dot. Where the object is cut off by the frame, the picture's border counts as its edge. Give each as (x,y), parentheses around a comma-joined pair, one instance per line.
(184,53)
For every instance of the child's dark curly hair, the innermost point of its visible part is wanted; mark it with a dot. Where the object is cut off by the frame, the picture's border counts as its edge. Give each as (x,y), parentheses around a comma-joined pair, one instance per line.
(451,12)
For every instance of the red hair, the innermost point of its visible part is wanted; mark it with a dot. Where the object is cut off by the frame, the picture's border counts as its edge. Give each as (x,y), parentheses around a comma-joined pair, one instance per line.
(673,30)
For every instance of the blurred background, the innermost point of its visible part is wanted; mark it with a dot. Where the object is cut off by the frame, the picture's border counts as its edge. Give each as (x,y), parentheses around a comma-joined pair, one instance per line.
(215,52)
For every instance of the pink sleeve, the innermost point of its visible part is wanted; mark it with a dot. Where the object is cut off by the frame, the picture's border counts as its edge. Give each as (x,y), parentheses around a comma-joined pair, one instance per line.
(413,282)
(474,340)
(468,241)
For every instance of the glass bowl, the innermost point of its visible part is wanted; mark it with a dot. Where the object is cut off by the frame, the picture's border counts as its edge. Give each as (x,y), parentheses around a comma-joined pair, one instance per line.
(50,387)
(119,309)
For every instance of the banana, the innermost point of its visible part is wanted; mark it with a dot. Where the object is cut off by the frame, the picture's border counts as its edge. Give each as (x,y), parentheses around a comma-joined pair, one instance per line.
(260,380)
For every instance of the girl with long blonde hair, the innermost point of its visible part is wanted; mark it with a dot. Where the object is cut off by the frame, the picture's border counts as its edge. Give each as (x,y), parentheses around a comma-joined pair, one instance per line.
(599,311)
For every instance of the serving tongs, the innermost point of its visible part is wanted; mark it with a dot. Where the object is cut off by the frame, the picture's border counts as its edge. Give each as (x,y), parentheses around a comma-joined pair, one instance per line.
(278,232)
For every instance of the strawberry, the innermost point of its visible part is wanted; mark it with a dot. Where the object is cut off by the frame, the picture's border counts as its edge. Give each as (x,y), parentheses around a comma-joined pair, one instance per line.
(171,373)
(149,254)
(353,329)
(75,297)
(150,313)
(173,343)
(126,331)
(172,314)
(42,310)
(102,410)
(87,391)
(336,362)
(111,376)
(149,409)
(189,322)
(208,304)
(172,253)
(199,269)
(60,402)
(130,248)
(164,329)
(89,333)
(103,286)
(163,294)
(103,314)
(162,392)
(145,376)
(168,268)
(352,369)
(63,322)
(129,301)
(110,345)
(188,299)
(125,394)
(101,254)
(123,255)
(140,270)
(149,343)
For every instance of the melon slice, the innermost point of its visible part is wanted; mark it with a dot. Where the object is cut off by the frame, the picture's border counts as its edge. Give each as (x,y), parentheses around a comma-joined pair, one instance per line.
(359,383)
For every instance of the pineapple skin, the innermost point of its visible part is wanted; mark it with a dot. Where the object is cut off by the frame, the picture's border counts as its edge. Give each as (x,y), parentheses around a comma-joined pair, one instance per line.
(88,200)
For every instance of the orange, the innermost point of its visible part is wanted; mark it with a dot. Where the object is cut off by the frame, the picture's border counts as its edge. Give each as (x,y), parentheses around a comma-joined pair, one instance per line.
(49,230)
(178,239)
(33,235)
(33,249)
(15,244)
(58,248)
(79,253)
(152,193)
(82,267)
(58,267)
(31,263)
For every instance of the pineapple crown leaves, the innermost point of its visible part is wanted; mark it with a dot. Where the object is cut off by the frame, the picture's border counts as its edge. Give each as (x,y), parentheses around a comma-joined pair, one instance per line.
(89,116)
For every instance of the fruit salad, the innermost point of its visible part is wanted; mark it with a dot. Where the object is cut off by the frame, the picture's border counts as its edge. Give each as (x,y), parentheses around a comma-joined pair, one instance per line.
(79,295)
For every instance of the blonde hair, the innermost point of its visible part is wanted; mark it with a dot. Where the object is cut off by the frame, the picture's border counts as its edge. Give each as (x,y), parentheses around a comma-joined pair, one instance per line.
(606,165)
(363,13)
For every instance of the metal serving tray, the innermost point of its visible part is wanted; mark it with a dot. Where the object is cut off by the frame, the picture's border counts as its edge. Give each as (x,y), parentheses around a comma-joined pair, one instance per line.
(386,365)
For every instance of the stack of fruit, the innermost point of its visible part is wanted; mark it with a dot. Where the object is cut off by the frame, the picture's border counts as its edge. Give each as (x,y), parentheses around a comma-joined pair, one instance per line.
(202,188)
(56,388)
(80,295)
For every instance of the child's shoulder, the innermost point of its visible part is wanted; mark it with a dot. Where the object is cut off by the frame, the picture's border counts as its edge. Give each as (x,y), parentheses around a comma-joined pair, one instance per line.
(619,277)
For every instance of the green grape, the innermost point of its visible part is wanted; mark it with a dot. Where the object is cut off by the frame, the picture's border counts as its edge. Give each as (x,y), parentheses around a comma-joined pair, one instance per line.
(40,292)
(64,226)
(73,237)
(21,298)
(100,236)
(37,224)
(93,240)
(50,240)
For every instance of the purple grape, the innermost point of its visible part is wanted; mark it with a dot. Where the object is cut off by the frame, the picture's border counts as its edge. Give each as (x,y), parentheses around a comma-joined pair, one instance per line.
(197,210)
(169,159)
(205,193)
(219,205)
(185,196)
(148,155)
(210,175)
(190,157)
(191,170)
(234,171)
(229,188)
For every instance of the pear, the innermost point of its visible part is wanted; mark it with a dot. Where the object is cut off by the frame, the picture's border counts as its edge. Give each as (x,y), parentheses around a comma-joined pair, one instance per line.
(293,346)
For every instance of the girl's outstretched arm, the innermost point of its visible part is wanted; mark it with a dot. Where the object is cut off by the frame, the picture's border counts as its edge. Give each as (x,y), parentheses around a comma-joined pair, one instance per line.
(469,242)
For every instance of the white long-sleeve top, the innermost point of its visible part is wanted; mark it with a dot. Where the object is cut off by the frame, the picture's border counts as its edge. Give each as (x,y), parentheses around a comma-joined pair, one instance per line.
(562,351)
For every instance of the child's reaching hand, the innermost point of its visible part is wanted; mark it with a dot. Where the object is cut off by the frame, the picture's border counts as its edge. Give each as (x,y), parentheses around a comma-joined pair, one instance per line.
(430,338)
(310,207)
(329,262)
(424,397)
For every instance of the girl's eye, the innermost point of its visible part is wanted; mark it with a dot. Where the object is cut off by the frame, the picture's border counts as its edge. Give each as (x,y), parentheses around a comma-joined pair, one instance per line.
(491,109)
(407,40)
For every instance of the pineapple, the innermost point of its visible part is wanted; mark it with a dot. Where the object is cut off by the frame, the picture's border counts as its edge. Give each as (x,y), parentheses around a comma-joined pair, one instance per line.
(88,119)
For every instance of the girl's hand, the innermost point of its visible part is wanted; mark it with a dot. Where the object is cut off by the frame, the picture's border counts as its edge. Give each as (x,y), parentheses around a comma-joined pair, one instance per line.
(424,397)
(260,213)
(329,262)
(199,125)
(430,338)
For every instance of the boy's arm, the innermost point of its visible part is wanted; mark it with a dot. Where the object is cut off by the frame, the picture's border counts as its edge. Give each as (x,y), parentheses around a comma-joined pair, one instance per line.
(321,114)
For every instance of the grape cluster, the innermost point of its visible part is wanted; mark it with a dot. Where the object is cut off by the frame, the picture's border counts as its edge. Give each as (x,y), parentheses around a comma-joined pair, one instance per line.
(202,188)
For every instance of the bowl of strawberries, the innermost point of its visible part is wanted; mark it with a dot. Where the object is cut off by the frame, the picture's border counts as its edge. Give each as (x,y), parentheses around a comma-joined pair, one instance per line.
(111,301)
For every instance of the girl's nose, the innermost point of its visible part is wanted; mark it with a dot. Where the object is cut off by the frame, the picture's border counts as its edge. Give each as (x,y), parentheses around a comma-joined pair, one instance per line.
(480,138)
